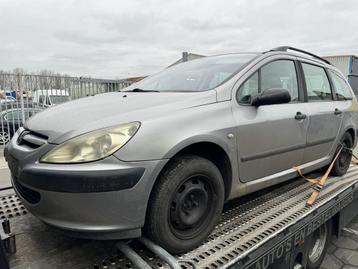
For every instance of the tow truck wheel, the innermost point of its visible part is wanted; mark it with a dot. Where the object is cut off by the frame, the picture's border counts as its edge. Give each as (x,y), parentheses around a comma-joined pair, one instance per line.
(318,247)
(341,165)
(185,204)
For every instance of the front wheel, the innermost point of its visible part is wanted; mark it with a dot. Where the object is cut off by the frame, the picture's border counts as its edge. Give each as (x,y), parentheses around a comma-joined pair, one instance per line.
(185,204)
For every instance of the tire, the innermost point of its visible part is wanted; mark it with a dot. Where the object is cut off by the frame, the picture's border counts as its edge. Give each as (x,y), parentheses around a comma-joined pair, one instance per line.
(344,159)
(186,203)
(317,248)
(4,136)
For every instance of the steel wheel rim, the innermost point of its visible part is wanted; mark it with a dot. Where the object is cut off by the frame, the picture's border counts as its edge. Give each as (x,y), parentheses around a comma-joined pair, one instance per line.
(4,137)
(320,240)
(190,207)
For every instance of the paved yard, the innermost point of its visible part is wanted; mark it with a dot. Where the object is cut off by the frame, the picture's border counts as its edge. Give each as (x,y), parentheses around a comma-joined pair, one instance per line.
(343,253)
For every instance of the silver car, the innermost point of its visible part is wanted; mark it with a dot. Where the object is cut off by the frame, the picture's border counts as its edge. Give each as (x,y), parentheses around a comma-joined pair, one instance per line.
(164,155)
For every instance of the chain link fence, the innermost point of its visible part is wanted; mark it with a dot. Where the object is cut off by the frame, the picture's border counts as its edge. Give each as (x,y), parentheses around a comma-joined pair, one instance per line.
(22,96)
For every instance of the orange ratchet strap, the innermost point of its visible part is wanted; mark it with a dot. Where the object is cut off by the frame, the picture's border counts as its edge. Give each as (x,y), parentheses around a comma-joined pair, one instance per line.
(318,182)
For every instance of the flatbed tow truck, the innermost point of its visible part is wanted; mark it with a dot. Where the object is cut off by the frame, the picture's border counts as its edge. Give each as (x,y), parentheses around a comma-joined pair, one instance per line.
(273,229)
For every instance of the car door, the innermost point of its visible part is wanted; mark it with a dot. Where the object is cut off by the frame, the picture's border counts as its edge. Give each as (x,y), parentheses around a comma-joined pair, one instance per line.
(270,138)
(325,117)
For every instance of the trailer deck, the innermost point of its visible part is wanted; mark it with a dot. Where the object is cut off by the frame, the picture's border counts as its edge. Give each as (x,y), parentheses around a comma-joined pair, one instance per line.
(256,231)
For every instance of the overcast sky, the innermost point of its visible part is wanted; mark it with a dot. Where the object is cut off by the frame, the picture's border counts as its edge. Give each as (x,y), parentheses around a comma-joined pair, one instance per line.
(116,38)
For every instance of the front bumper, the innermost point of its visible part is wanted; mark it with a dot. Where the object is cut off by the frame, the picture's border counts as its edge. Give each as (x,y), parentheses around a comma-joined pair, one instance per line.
(106,199)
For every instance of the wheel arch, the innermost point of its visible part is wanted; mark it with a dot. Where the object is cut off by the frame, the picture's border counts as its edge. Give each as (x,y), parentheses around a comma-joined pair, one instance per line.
(210,149)
(352,132)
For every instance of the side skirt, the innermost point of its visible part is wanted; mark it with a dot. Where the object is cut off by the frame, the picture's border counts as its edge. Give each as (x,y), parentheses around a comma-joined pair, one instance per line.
(271,180)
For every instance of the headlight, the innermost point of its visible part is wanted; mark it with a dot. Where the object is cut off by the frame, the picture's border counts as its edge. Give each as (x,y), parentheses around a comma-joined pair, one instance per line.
(92,146)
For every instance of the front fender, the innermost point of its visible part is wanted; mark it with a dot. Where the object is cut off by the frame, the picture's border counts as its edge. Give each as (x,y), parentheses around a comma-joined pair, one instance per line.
(162,137)
(198,139)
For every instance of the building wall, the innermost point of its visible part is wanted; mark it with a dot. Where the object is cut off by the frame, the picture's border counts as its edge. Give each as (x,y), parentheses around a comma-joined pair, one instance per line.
(348,65)
(354,70)
(341,62)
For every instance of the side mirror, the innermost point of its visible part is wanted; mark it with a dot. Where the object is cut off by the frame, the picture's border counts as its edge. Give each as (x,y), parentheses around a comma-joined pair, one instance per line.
(271,97)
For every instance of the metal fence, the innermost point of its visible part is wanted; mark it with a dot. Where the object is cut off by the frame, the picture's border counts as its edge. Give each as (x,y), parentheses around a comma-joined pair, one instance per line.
(22,96)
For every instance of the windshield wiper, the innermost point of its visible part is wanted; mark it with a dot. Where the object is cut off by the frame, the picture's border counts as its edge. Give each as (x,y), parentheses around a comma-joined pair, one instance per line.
(140,90)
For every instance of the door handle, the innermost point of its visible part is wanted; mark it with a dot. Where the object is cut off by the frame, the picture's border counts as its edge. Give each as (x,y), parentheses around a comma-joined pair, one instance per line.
(300,116)
(337,111)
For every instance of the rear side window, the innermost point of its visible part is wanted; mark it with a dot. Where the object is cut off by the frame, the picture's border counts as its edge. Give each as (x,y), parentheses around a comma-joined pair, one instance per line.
(317,83)
(341,87)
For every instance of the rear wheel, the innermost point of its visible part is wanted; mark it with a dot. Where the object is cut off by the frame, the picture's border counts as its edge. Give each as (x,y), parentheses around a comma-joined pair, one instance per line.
(186,203)
(344,159)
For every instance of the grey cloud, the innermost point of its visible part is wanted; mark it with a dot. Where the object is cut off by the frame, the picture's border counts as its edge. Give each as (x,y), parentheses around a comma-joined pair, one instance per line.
(114,39)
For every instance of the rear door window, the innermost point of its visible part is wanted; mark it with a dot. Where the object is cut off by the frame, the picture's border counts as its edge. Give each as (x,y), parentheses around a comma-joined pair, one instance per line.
(341,87)
(317,83)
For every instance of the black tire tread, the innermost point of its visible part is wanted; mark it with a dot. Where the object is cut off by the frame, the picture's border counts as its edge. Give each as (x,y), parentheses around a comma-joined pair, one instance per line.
(337,170)
(153,227)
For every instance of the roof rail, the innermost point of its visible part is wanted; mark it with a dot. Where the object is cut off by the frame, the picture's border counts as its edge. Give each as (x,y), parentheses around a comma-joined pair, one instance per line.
(286,48)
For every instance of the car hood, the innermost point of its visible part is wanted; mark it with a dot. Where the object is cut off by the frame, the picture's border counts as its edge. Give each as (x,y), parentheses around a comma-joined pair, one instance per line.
(73,118)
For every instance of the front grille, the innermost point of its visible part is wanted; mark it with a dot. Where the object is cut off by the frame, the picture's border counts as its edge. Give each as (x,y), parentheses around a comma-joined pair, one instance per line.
(31,139)
(33,197)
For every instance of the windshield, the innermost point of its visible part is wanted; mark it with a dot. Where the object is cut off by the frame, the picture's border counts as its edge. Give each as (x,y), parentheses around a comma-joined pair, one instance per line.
(197,75)
(58,99)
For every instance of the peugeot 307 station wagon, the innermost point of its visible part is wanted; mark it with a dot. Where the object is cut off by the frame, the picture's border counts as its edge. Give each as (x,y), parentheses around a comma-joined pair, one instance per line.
(162,156)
